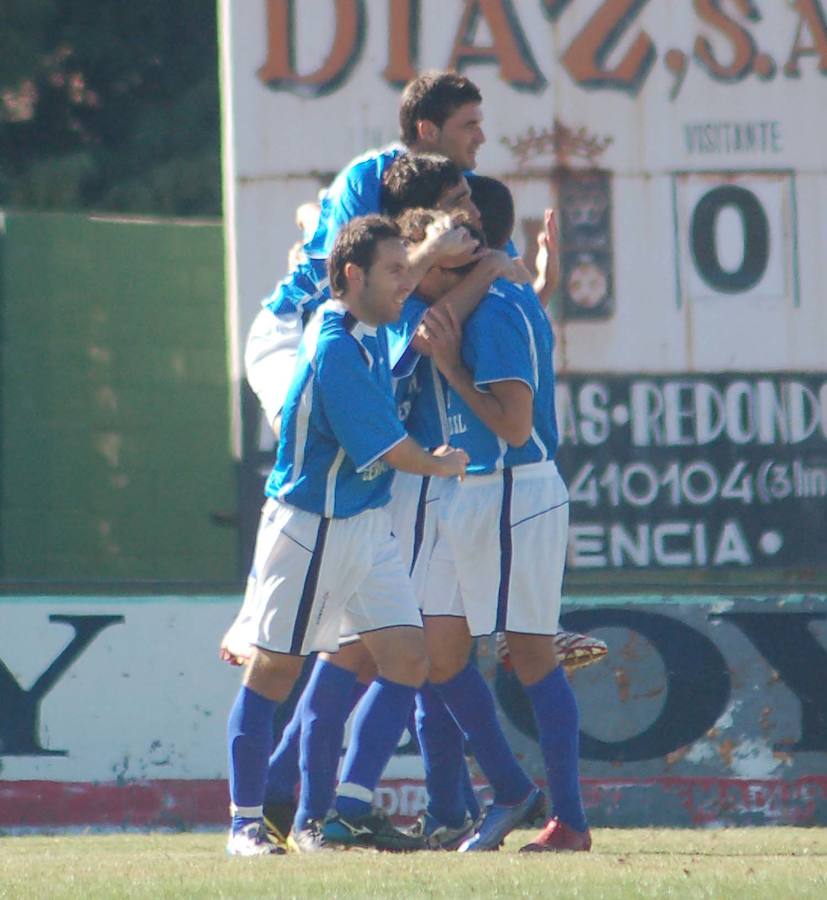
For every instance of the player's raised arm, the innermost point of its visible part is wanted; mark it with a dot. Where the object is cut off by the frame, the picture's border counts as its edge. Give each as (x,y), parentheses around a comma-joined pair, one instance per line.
(548,258)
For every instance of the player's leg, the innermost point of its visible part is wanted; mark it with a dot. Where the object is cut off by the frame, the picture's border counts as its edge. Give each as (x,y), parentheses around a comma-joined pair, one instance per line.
(378,723)
(413,508)
(267,682)
(469,522)
(331,694)
(539,518)
(556,715)
(387,617)
(467,696)
(446,821)
(459,683)
(291,584)
(336,684)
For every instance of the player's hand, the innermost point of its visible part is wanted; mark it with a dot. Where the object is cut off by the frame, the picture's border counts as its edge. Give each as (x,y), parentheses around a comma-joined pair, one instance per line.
(498,264)
(450,245)
(453,459)
(547,261)
(232,652)
(440,333)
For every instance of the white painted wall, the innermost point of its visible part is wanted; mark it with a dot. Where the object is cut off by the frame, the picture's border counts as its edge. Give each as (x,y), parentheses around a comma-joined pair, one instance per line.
(282,145)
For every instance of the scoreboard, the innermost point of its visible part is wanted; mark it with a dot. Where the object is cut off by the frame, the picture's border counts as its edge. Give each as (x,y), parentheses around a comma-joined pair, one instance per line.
(683,145)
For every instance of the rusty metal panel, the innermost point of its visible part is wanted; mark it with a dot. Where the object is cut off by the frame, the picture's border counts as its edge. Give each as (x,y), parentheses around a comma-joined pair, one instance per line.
(708,711)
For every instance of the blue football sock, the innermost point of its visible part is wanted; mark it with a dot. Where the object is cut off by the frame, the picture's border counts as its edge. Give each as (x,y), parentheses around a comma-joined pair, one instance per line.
(411,724)
(555,710)
(469,795)
(283,771)
(324,708)
(249,741)
(283,768)
(468,698)
(442,744)
(378,724)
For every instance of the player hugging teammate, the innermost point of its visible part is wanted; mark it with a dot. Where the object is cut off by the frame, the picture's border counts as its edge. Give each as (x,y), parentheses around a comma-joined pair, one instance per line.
(390,578)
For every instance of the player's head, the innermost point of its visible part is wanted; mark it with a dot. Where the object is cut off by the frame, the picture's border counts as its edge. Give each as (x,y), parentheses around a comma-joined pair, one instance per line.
(368,269)
(428,181)
(496,205)
(441,112)
(440,278)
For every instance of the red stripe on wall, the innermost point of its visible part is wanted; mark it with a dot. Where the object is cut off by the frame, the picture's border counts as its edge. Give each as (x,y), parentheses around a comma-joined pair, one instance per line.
(186,803)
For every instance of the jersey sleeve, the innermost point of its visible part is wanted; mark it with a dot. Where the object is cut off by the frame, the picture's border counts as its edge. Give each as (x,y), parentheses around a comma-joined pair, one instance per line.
(302,291)
(355,192)
(362,416)
(497,345)
(403,357)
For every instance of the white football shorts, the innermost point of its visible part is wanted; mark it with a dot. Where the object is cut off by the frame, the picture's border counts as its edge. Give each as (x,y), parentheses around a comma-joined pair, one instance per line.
(500,551)
(270,358)
(313,578)
(413,509)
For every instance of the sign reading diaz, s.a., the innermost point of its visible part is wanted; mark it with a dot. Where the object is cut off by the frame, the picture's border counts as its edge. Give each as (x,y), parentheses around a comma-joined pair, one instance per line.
(686,471)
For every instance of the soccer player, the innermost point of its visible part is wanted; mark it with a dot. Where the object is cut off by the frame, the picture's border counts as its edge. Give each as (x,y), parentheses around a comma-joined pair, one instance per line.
(440,112)
(502,533)
(471,704)
(433,181)
(324,550)
(329,696)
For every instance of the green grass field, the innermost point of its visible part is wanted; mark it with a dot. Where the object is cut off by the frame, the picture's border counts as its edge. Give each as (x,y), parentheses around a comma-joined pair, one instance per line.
(775,863)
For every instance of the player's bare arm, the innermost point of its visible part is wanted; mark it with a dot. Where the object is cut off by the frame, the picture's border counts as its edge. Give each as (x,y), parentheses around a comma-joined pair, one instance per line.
(548,258)
(463,299)
(444,462)
(506,408)
(444,243)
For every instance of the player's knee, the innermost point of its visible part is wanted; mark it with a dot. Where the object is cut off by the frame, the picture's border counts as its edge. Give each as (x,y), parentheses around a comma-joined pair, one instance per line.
(272,674)
(408,665)
(532,657)
(445,669)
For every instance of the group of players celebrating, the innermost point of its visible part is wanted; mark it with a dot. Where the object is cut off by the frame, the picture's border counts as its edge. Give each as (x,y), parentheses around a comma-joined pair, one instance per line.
(406,365)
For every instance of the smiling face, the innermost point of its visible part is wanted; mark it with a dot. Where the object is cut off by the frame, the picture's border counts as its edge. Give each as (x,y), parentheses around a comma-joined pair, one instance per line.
(379,290)
(460,136)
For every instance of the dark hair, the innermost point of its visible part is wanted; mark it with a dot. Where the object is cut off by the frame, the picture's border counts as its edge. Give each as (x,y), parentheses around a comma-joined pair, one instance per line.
(433,96)
(417,179)
(496,205)
(356,243)
(413,224)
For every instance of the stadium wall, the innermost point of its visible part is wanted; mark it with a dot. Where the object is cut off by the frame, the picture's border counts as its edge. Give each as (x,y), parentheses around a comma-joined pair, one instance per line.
(683,148)
(709,711)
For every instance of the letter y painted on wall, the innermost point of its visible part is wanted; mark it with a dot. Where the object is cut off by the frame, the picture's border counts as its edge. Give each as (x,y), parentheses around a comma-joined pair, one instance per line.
(20,710)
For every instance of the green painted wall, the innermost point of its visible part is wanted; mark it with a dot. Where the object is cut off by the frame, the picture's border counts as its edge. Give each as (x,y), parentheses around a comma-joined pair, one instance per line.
(114,396)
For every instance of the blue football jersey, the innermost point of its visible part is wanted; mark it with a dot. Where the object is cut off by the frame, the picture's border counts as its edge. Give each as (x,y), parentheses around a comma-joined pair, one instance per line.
(420,391)
(354,192)
(507,338)
(339,418)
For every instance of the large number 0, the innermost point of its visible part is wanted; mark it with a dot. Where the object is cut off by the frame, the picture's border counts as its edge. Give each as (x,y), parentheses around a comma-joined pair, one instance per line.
(756,239)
